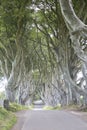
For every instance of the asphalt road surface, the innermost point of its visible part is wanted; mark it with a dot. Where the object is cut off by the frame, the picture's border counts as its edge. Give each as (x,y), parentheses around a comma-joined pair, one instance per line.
(49,120)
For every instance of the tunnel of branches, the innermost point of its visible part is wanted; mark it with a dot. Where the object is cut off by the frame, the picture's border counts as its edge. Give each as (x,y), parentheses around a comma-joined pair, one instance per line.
(43,51)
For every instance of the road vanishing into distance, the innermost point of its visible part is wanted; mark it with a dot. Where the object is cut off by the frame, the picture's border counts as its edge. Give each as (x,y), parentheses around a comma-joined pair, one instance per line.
(49,120)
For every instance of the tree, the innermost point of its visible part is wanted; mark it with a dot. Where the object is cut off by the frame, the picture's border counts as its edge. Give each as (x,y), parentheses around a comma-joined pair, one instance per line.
(77,31)
(38,52)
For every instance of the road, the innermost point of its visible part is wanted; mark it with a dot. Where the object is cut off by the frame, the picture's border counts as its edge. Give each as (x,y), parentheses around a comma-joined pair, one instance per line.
(49,120)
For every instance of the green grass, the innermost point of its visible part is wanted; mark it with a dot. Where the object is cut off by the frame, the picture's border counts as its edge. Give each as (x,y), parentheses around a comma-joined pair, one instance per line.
(7,119)
(48,108)
(14,107)
(68,107)
(31,107)
(58,107)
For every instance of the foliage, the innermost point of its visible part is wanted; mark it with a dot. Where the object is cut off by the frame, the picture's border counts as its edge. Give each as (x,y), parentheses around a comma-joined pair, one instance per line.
(34,39)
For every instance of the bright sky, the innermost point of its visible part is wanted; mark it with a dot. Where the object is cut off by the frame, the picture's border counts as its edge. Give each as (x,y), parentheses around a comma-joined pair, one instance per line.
(2,85)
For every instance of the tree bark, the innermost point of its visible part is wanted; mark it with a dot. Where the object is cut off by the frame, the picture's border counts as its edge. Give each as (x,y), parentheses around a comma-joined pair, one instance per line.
(72,21)
(14,78)
(77,30)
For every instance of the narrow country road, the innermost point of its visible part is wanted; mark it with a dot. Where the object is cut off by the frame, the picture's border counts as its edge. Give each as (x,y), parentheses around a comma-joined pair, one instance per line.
(49,120)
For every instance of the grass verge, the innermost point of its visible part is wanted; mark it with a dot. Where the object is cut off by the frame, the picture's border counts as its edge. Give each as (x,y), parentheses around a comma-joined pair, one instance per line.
(68,107)
(48,108)
(14,107)
(7,119)
(58,107)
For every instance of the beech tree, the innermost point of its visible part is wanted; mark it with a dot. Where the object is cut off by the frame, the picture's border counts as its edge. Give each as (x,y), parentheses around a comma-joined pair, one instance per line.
(43,49)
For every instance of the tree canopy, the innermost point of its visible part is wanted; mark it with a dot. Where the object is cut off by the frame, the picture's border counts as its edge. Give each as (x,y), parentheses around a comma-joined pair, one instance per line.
(43,50)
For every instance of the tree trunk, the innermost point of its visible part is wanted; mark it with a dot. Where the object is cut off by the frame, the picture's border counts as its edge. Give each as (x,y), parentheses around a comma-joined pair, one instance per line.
(78,32)
(14,79)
